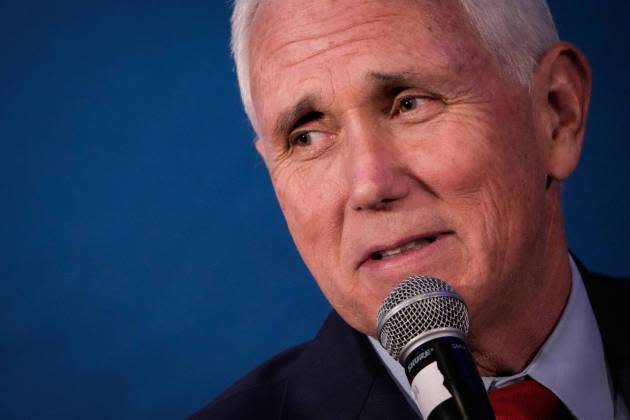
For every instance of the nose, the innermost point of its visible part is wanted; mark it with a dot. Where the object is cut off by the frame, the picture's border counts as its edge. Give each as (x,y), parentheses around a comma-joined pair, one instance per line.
(375,172)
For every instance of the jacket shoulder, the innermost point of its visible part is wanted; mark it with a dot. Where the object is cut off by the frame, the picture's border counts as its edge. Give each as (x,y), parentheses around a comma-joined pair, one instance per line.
(260,391)
(608,296)
(607,293)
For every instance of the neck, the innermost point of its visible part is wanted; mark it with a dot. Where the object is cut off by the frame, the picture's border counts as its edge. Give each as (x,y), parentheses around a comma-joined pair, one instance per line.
(523,322)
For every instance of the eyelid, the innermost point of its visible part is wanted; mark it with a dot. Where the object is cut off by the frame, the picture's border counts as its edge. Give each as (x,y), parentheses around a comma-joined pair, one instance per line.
(304,119)
(293,137)
(320,143)
(410,96)
(398,100)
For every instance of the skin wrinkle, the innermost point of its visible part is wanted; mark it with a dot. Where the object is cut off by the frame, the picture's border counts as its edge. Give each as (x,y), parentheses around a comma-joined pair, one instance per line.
(329,34)
(322,51)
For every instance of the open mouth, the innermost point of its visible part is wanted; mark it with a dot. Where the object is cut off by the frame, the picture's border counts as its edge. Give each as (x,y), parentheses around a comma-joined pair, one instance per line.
(408,247)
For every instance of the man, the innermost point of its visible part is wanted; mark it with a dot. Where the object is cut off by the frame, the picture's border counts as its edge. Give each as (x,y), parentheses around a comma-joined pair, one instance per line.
(425,137)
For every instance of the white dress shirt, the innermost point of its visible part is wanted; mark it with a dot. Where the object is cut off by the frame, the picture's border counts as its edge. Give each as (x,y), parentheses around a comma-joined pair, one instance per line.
(571,363)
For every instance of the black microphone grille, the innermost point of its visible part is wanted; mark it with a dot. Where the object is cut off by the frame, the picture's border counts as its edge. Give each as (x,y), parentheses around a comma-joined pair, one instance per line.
(417,306)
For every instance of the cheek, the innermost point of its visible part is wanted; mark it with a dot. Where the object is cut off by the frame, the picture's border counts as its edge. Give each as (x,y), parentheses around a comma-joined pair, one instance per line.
(489,180)
(314,214)
(310,205)
(296,202)
(483,154)
(466,163)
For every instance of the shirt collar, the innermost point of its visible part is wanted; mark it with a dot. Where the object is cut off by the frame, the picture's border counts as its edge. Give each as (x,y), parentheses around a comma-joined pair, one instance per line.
(571,363)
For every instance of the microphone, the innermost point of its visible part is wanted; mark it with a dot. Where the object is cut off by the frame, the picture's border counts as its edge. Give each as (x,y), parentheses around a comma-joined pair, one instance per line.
(423,324)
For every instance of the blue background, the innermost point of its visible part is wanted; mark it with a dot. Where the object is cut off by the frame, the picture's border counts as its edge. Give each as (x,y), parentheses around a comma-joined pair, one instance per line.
(144,262)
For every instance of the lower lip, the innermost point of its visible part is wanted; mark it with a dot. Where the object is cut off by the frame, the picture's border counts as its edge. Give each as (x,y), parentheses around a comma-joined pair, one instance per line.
(418,259)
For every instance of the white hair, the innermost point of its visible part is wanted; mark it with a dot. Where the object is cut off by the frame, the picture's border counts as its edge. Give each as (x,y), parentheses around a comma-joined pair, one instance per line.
(515,32)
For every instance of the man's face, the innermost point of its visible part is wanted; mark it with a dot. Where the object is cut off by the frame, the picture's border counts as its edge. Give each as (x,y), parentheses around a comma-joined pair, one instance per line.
(396,147)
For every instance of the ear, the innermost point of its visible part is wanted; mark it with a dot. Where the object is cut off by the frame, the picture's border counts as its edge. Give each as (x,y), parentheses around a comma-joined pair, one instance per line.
(562,91)
(259,147)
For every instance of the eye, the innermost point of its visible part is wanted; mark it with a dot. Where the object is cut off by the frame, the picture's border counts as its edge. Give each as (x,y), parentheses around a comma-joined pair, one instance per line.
(410,103)
(306,138)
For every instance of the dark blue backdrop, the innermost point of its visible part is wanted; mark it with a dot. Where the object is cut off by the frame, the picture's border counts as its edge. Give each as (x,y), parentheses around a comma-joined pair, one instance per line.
(144,263)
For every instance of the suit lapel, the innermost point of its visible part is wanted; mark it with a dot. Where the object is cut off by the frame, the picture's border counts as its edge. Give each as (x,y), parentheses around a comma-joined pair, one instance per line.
(339,376)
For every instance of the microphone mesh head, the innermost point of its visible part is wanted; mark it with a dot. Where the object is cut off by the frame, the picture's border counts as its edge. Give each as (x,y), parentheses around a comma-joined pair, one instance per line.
(418,305)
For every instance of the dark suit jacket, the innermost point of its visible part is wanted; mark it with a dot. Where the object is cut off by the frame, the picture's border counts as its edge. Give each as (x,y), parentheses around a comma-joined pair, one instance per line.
(338,375)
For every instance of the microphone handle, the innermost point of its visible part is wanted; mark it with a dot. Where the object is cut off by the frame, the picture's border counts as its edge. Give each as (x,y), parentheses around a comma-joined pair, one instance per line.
(445,382)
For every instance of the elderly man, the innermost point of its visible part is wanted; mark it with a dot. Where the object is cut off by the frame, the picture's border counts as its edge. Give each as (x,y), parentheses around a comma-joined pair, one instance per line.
(426,137)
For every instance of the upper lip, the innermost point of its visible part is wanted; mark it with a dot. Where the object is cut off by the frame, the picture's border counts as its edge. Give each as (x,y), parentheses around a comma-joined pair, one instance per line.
(367,254)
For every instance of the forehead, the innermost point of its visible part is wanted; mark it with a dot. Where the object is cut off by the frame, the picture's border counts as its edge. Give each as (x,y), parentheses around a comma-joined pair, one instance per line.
(307,28)
(296,43)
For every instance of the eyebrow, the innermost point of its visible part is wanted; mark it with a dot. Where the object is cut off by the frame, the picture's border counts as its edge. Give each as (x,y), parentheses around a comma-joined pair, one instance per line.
(400,78)
(427,80)
(390,78)
(305,108)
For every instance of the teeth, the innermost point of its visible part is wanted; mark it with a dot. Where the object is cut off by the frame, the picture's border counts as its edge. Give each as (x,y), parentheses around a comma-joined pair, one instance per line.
(381,255)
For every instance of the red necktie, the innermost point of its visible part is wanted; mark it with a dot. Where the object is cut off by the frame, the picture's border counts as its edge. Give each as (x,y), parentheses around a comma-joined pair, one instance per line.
(527,400)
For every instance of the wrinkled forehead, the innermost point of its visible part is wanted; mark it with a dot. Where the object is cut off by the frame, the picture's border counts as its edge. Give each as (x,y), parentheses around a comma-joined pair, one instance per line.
(291,31)
(305,39)
(446,12)
(281,20)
